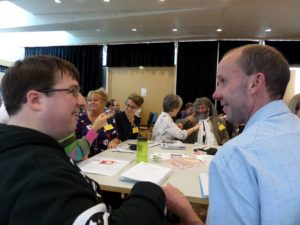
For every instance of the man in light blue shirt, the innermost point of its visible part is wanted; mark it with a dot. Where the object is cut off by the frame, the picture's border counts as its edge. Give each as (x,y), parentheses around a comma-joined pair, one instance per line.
(255,177)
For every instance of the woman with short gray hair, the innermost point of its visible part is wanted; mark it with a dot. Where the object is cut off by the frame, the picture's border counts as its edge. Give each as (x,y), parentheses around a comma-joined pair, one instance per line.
(165,129)
(294,105)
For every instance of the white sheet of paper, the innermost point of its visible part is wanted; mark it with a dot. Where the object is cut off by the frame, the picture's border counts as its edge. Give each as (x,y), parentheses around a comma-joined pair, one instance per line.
(104,166)
(203,177)
(146,172)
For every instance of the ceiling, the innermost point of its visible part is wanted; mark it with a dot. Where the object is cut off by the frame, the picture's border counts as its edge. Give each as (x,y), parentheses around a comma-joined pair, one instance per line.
(98,22)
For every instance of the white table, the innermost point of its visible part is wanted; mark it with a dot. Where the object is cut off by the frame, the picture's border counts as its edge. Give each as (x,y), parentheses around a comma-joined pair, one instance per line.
(186,180)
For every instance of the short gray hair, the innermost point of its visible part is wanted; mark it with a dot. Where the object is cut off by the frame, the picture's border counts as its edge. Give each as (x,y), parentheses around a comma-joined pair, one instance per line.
(171,102)
(294,104)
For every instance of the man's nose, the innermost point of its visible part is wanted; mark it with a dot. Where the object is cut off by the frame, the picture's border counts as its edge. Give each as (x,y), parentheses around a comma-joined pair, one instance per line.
(81,99)
(217,94)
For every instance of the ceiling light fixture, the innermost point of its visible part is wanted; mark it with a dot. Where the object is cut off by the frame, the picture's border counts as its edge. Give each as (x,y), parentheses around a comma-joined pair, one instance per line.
(174,29)
(268,30)
(57,1)
(219,30)
(134,29)
(162,0)
(106,0)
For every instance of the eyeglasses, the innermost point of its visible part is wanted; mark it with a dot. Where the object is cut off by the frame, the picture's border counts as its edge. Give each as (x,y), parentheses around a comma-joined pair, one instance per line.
(131,106)
(74,90)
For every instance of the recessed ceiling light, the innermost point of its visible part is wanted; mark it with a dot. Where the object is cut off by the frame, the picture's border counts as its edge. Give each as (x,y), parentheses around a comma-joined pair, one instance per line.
(106,0)
(162,0)
(134,29)
(174,29)
(268,30)
(57,1)
(219,30)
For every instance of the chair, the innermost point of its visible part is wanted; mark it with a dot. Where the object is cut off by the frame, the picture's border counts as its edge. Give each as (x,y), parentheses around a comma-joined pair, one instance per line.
(152,119)
(147,128)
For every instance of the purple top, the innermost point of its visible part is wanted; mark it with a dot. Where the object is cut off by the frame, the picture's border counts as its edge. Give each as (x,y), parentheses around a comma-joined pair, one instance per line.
(104,136)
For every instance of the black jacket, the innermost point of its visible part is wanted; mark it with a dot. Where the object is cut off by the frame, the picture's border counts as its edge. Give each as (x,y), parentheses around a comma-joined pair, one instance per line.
(124,128)
(40,185)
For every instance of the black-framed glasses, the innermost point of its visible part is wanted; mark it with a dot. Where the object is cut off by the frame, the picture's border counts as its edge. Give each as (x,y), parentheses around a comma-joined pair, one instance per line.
(131,106)
(74,90)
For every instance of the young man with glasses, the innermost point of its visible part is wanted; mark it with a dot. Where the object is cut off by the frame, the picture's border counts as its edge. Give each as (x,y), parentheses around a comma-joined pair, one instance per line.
(39,183)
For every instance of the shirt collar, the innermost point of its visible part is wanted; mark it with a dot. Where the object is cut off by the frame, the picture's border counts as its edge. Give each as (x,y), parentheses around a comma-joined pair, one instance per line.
(272,108)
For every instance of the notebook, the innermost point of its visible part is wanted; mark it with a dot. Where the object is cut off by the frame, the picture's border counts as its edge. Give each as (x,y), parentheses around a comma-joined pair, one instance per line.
(144,171)
(107,166)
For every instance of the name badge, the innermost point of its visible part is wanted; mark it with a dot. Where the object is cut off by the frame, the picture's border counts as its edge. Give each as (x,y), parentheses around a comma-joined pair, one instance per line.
(135,130)
(108,127)
(221,127)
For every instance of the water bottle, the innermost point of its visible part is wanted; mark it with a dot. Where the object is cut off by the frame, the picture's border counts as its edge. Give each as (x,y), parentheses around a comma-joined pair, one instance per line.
(142,150)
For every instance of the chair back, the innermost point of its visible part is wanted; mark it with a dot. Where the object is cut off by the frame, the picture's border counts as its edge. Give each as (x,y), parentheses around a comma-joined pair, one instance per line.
(152,119)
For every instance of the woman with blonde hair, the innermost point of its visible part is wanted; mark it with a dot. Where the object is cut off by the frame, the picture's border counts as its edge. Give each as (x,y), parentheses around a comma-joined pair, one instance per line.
(106,136)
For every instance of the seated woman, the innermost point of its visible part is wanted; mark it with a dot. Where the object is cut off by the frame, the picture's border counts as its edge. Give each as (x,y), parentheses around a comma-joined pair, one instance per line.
(164,128)
(107,136)
(294,105)
(79,149)
(127,123)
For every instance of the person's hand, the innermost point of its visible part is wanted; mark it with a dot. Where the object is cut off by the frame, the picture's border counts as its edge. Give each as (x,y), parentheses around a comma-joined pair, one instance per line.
(196,127)
(191,118)
(178,204)
(113,143)
(100,121)
(180,125)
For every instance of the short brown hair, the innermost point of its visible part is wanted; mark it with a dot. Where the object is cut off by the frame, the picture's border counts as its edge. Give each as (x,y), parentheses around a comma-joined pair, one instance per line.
(171,102)
(137,99)
(33,73)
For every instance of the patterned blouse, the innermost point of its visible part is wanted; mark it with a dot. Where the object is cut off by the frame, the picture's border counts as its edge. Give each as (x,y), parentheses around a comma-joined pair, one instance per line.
(104,135)
(166,130)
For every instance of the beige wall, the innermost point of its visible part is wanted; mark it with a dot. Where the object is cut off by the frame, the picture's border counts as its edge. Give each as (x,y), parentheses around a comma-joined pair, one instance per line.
(290,90)
(157,82)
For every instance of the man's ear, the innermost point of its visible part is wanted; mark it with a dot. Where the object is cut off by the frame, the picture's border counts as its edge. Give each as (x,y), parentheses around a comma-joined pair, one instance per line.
(257,82)
(34,100)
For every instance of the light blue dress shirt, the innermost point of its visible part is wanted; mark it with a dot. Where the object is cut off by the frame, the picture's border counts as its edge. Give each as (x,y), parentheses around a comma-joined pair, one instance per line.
(255,177)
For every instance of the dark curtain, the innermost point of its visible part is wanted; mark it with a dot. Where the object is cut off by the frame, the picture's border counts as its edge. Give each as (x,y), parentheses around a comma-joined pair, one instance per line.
(225,46)
(134,55)
(196,69)
(290,49)
(87,59)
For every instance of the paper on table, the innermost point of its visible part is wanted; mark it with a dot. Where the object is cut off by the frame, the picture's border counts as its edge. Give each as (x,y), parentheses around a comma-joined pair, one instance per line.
(146,172)
(205,158)
(203,178)
(104,165)
(185,162)
(173,145)
(123,147)
(167,155)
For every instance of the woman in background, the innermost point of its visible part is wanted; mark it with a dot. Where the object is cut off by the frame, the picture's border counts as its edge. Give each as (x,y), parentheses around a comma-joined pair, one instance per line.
(107,136)
(127,122)
(294,105)
(164,128)
(79,149)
